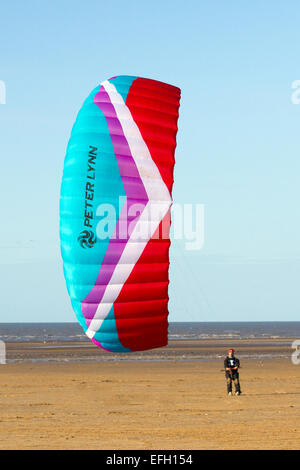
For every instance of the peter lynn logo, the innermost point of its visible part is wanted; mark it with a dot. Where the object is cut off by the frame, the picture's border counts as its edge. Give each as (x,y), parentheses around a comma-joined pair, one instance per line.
(87,239)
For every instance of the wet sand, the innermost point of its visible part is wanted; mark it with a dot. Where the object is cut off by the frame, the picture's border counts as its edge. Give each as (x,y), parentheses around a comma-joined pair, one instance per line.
(183,350)
(171,398)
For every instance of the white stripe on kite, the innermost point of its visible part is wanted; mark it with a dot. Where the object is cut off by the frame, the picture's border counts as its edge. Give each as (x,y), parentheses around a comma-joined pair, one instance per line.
(154,210)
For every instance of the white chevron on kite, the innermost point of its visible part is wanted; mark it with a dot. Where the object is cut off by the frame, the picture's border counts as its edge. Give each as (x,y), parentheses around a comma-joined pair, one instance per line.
(157,207)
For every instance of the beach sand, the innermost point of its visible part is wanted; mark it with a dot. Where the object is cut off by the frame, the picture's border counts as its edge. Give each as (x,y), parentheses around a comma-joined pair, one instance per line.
(179,402)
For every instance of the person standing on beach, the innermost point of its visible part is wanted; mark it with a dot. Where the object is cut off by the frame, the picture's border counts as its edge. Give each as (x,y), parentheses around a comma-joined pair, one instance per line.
(231,365)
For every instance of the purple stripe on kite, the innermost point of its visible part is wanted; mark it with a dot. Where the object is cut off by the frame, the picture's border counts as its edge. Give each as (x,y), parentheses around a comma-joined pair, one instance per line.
(135,193)
(97,343)
(105,278)
(89,308)
(126,166)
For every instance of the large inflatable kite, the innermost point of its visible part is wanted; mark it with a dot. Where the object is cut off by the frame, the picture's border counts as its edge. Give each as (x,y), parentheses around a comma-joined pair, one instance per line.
(115,212)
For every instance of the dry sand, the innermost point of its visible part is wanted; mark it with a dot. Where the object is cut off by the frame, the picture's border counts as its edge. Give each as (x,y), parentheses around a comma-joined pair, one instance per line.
(171,404)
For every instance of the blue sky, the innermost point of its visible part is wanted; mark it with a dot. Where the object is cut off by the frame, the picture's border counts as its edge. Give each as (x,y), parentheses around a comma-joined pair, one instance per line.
(238,144)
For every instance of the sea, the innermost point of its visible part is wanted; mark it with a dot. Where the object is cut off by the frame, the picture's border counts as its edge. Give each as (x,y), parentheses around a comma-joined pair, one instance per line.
(72,332)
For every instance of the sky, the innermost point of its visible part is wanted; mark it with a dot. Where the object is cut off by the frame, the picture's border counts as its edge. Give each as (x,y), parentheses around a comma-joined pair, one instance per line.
(237,152)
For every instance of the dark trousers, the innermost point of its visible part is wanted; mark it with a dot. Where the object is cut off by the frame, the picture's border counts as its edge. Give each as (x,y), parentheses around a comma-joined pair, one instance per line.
(232,376)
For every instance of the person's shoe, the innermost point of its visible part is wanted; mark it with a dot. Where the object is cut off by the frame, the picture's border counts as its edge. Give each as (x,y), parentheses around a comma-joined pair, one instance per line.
(229,393)
(237,393)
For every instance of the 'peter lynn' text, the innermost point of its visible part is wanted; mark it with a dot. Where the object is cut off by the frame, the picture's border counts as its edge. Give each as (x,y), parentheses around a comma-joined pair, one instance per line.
(89,188)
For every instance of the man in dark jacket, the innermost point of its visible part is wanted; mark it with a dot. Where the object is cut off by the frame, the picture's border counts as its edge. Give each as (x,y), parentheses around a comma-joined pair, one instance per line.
(231,366)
